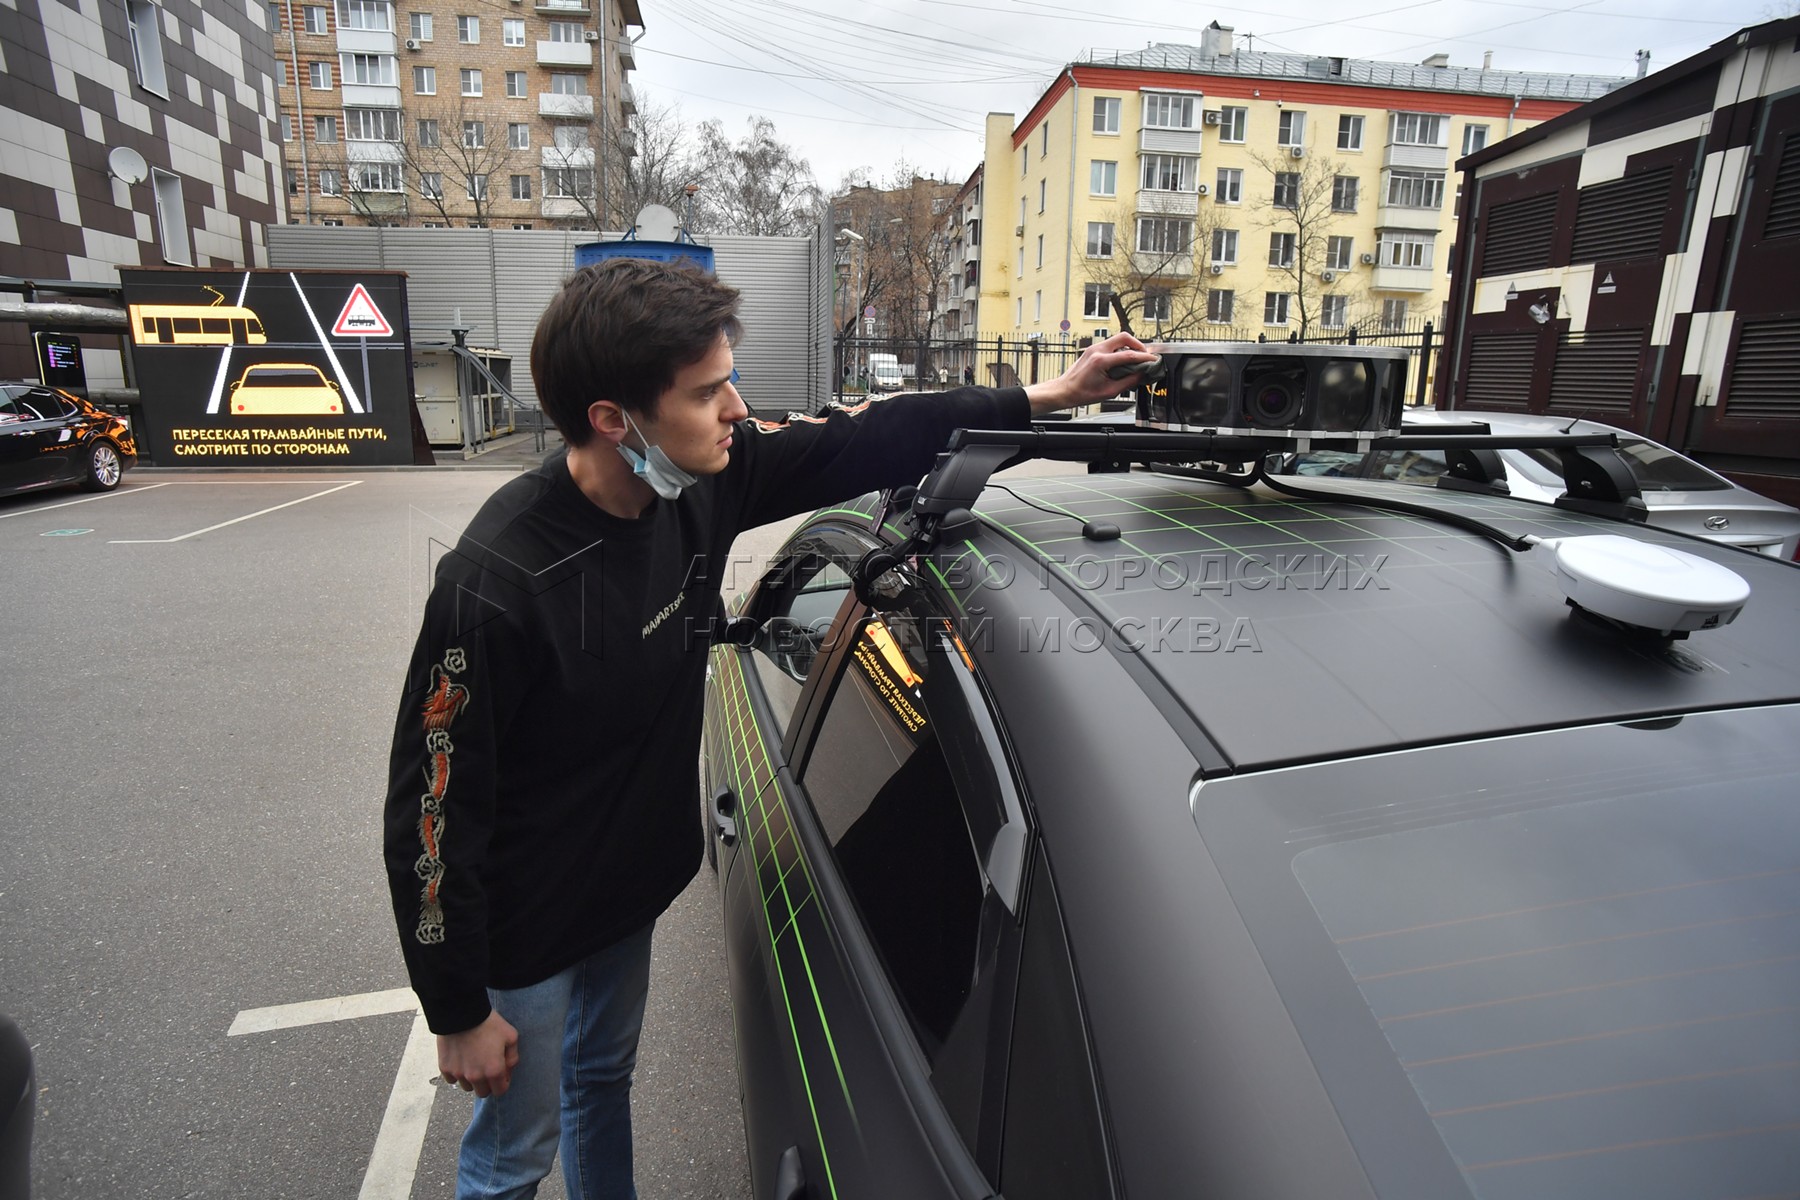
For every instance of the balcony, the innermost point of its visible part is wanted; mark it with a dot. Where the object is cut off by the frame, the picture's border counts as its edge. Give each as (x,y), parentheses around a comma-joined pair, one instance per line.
(627,98)
(628,142)
(369,95)
(1169,141)
(365,41)
(1168,204)
(971,292)
(1162,266)
(557,106)
(1402,216)
(627,54)
(372,152)
(556,156)
(562,8)
(1416,158)
(563,207)
(1403,279)
(565,54)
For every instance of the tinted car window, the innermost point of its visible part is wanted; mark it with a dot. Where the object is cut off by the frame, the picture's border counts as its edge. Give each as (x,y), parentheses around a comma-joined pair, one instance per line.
(1656,468)
(810,592)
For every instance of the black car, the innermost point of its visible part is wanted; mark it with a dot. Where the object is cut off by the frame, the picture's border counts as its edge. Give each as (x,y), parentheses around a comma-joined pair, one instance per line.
(1143,836)
(49,437)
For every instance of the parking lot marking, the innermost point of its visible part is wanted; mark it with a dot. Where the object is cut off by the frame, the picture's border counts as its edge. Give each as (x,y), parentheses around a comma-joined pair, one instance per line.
(222,524)
(26,512)
(395,1159)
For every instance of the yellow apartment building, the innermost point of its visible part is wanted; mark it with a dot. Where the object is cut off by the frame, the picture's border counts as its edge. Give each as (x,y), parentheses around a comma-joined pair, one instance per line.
(1216,192)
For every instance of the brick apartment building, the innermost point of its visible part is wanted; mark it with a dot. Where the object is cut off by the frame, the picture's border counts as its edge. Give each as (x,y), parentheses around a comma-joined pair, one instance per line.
(508,114)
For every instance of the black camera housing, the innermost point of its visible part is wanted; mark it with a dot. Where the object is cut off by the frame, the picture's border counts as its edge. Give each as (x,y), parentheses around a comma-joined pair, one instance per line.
(1275,389)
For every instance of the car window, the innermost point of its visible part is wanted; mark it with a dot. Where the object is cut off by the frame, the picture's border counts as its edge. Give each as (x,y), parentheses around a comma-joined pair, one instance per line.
(1656,468)
(805,594)
(890,780)
(49,406)
(11,412)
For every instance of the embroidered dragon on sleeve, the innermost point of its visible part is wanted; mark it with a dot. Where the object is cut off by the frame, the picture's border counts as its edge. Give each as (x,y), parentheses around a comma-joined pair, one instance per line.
(443,705)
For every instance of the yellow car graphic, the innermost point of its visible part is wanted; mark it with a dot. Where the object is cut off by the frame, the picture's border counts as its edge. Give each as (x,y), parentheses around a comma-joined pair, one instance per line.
(284,389)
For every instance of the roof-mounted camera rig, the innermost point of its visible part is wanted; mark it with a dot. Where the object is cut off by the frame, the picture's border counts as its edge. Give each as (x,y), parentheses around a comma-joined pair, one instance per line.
(1276,390)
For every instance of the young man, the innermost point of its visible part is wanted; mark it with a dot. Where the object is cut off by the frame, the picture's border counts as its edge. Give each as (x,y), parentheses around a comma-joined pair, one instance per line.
(540,808)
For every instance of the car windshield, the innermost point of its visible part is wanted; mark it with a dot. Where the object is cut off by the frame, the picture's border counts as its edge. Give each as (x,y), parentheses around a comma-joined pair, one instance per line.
(1656,468)
(1569,962)
(284,377)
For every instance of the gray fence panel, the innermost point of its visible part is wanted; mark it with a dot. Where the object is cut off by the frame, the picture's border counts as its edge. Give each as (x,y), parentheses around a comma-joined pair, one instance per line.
(774,359)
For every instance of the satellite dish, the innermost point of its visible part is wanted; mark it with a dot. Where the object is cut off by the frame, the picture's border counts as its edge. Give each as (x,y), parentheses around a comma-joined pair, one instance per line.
(658,224)
(127,164)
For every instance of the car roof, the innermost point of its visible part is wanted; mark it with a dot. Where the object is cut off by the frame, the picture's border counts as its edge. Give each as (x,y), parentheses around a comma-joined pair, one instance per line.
(1362,630)
(1501,421)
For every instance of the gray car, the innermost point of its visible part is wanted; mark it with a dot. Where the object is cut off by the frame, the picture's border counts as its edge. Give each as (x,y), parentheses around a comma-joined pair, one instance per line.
(1680,493)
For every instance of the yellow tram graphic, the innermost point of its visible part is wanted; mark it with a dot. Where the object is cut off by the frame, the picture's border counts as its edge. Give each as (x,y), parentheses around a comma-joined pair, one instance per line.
(215,324)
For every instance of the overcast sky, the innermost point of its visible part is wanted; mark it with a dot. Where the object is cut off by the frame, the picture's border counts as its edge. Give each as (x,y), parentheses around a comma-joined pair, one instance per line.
(863,85)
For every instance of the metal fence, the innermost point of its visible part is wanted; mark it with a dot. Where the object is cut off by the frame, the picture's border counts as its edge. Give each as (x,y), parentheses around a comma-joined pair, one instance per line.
(926,363)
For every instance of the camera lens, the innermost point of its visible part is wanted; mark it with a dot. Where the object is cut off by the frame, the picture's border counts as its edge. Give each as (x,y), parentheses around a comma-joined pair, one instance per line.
(1274,391)
(1203,394)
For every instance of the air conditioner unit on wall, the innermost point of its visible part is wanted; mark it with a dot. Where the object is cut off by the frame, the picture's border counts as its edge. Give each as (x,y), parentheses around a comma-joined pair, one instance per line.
(1327,276)
(1018,231)
(412,43)
(1212,116)
(1297,151)
(1218,268)
(591,35)
(1202,189)
(1368,260)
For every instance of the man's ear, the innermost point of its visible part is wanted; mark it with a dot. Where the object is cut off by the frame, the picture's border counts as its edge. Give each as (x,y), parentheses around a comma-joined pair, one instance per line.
(607,420)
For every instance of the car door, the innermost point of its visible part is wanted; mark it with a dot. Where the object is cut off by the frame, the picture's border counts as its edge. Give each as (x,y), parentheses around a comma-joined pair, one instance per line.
(30,428)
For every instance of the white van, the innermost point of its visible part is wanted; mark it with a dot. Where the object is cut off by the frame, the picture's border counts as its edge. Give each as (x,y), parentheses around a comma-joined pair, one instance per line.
(885,374)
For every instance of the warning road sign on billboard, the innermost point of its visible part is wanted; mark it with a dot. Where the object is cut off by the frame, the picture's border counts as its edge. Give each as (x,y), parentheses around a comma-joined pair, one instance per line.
(360,317)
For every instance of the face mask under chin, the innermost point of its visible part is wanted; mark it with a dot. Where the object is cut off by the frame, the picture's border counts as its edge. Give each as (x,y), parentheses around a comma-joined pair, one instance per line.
(653,466)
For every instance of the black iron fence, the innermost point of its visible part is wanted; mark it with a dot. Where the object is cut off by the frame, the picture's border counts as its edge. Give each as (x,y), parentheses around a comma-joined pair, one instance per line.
(925,364)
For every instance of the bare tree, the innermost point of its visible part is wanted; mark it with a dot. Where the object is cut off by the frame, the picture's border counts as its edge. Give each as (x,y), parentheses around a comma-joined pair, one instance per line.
(661,163)
(1301,208)
(1147,266)
(453,154)
(372,183)
(755,186)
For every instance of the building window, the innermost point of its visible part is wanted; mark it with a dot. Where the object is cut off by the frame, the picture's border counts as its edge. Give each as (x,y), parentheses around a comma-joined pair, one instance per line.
(1021,263)
(325,129)
(1103,178)
(518,135)
(521,224)
(1100,239)
(1230,189)
(171,218)
(569,137)
(374,15)
(1096,300)
(1405,249)
(476,185)
(330,184)
(566,183)
(1170,173)
(1219,303)
(474,135)
(1037,305)
(471,81)
(1044,140)
(1416,189)
(1287,189)
(1393,316)
(377,177)
(1332,311)
(338,222)
(428,134)
(1474,138)
(512,31)
(274,16)
(319,76)
(424,81)
(1157,304)
(562,83)
(521,187)
(1281,250)
(1106,114)
(468,30)
(1043,193)
(1224,246)
(1343,193)
(375,70)
(432,225)
(515,85)
(566,32)
(1019,306)
(419,25)
(145,22)
(372,124)
(1234,123)
(1164,235)
(1417,129)
(1292,131)
(1350,132)
(287,127)
(293,181)
(1040,251)
(431,185)
(1275,308)
(313,15)
(1340,252)
(1168,112)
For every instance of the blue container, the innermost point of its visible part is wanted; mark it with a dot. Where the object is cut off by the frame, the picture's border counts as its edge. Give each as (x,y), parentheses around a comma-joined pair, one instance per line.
(589,253)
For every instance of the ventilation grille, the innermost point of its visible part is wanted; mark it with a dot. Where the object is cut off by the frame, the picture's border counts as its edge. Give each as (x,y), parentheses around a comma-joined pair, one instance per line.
(1622,219)
(1500,370)
(1765,378)
(1597,371)
(1784,202)
(1519,234)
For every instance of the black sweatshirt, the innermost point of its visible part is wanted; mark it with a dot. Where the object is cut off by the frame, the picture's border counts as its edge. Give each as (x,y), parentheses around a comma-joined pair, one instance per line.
(542,792)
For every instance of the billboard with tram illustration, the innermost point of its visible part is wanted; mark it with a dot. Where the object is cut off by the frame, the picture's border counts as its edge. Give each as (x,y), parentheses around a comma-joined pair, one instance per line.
(271,368)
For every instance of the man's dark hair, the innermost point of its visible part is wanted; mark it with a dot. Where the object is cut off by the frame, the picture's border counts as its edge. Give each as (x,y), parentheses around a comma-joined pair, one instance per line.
(619,330)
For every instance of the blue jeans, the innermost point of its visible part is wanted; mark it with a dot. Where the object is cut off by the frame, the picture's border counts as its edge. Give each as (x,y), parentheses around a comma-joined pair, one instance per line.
(578,1040)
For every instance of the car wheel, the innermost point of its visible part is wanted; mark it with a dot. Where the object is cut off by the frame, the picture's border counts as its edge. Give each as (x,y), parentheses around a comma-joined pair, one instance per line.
(104,469)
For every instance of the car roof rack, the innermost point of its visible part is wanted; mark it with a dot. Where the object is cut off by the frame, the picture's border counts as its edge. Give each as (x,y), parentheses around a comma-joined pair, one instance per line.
(1596,478)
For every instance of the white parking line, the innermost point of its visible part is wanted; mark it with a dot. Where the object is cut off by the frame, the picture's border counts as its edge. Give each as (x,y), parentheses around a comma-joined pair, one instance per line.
(222,524)
(318,1012)
(26,512)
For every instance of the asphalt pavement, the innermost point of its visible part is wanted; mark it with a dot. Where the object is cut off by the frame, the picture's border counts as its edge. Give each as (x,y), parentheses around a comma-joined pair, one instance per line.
(202,673)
